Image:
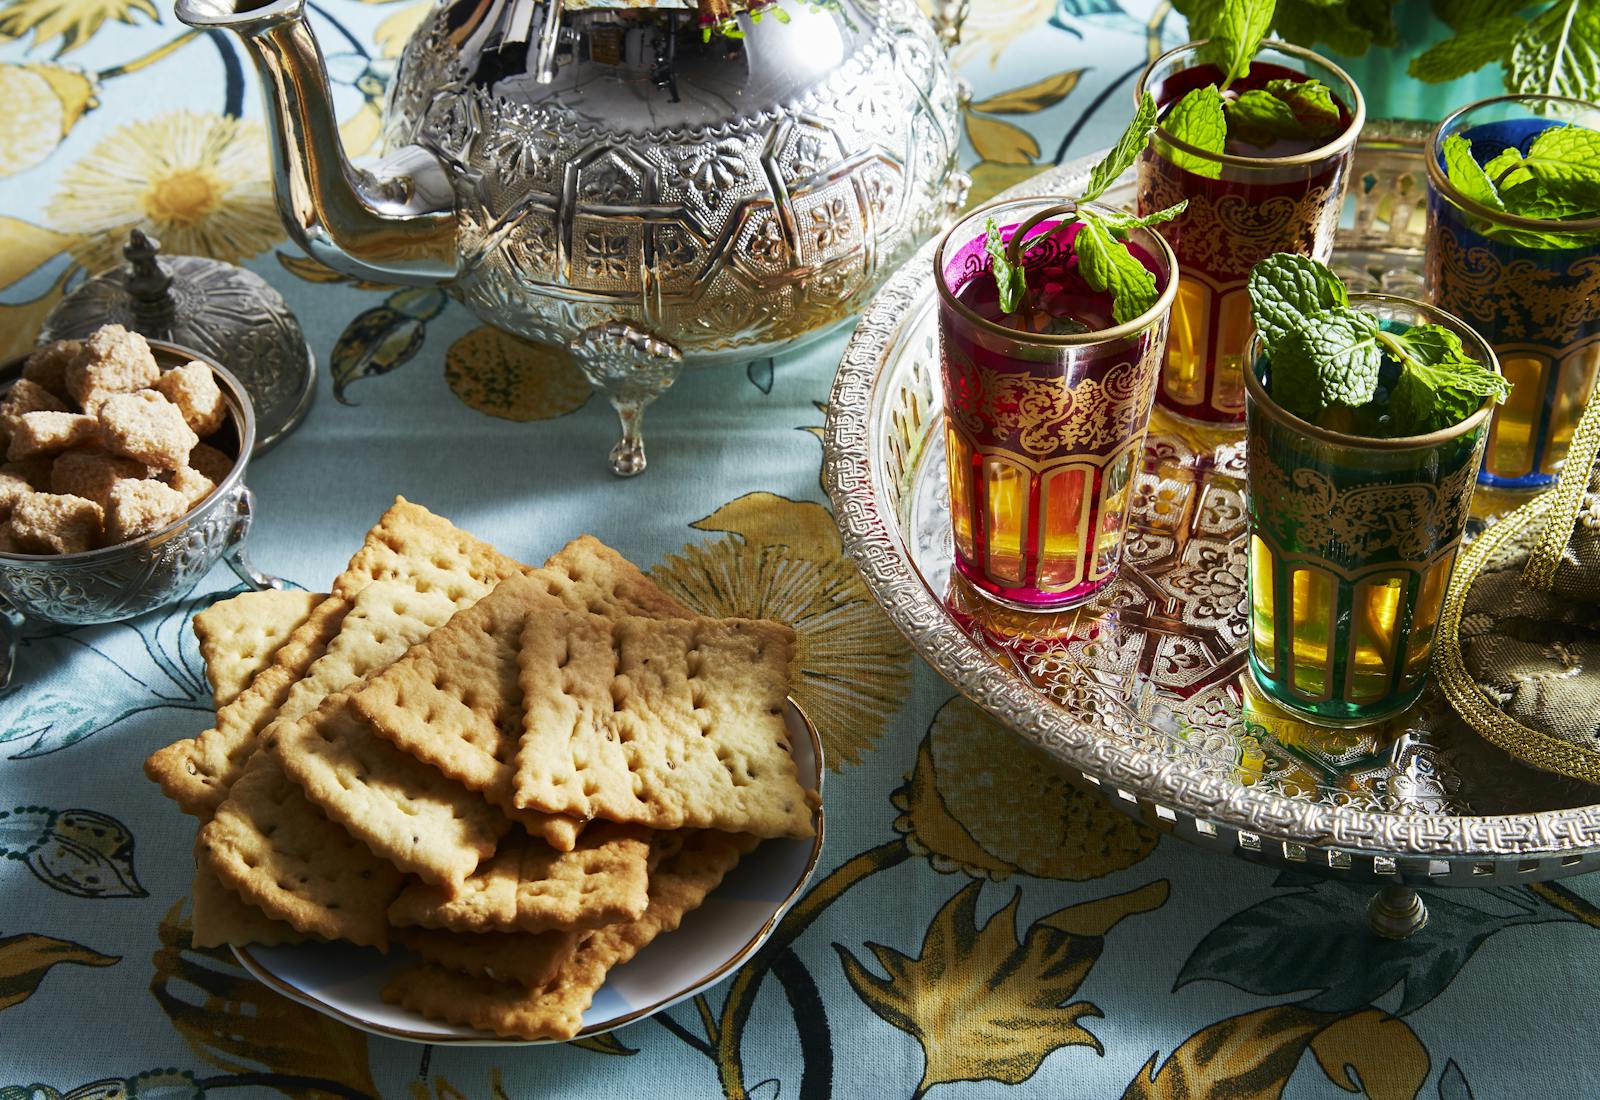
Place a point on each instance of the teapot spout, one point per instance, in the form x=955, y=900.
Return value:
x=393, y=224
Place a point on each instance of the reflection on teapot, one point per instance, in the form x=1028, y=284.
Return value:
x=645, y=185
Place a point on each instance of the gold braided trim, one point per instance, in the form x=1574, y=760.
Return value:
x=1476, y=708
x=1545, y=556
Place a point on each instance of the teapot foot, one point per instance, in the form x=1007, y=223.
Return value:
x=632, y=368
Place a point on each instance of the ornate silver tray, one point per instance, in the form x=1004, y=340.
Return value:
x=1143, y=692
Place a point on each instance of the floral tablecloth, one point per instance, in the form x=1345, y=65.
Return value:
x=976, y=928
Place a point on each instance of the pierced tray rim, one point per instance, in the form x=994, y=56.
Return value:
x=1443, y=849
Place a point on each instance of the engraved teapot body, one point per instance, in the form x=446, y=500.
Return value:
x=639, y=185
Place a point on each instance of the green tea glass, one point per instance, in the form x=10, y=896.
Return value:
x=1352, y=539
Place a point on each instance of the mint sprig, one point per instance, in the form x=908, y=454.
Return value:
x=1558, y=179
x=1100, y=245
x=1326, y=355
x=1543, y=48
x=1198, y=120
x=1235, y=29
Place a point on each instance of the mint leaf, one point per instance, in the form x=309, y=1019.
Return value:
x=1467, y=52
x=1331, y=359
x=1285, y=289
x=1439, y=384
x=1505, y=170
x=1347, y=26
x=1197, y=120
x=1009, y=278
x=1565, y=160
x=1460, y=15
x=1260, y=118
x=1467, y=174
x=1312, y=104
x=1124, y=152
x=1558, y=53
x=1235, y=28
x=1121, y=225
x=1106, y=265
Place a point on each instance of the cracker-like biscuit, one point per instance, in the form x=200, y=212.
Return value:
x=530, y=887
x=419, y=819
x=239, y=636
x=221, y=917
x=274, y=849
x=667, y=723
x=454, y=702
x=555, y=1010
x=526, y=959
x=195, y=772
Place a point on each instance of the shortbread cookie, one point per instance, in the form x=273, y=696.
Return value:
x=404, y=811
x=193, y=388
x=276, y=851
x=239, y=636
x=530, y=887
x=455, y=703
x=526, y=959
x=408, y=541
x=221, y=917
x=144, y=426
x=667, y=723
x=555, y=1010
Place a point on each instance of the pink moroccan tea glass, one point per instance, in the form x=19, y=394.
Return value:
x=1045, y=408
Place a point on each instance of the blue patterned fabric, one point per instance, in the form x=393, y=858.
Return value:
x=977, y=927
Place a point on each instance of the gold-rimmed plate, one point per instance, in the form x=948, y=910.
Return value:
x=346, y=982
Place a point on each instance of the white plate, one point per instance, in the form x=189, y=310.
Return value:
x=343, y=981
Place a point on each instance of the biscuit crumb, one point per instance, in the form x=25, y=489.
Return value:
x=148, y=427
x=193, y=388
x=211, y=462
x=41, y=433
x=114, y=360
x=47, y=366
x=90, y=473
x=47, y=523
x=135, y=508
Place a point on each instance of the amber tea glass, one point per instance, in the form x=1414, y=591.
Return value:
x=1352, y=540
x=1044, y=429
x=1255, y=206
x=1537, y=301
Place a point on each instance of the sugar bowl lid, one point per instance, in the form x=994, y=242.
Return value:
x=220, y=309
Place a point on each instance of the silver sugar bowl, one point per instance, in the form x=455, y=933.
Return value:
x=642, y=185
x=119, y=582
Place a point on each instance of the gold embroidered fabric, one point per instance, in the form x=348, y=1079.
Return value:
x=1520, y=655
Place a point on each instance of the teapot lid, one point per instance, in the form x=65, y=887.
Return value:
x=217, y=308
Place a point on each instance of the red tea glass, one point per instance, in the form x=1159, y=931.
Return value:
x=1283, y=198
x=1045, y=409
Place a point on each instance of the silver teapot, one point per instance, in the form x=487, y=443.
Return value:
x=632, y=182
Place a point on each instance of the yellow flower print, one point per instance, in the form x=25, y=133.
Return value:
x=783, y=561
x=43, y=102
x=72, y=21
x=513, y=379
x=196, y=181
x=394, y=32
x=960, y=807
x=989, y=29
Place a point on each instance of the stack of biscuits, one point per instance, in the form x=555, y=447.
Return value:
x=521, y=775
